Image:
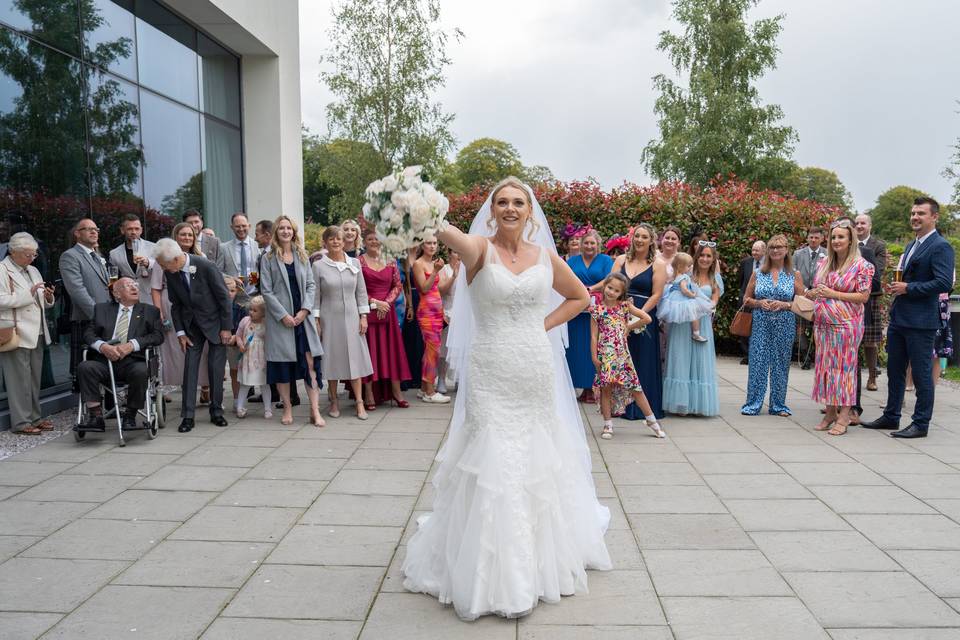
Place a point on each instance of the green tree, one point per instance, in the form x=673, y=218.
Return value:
x=346, y=167
x=952, y=171
x=316, y=192
x=819, y=185
x=485, y=161
x=891, y=214
x=538, y=174
x=716, y=125
x=388, y=59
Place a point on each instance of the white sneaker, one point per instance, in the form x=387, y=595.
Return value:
x=442, y=387
x=420, y=394
x=657, y=430
x=436, y=398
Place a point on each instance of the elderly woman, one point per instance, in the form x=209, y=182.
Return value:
x=841, y=286
x=352, y=240
x=288, y=288
x=343, y=307
x=770, y=293
x=591, y=267
x=23, y=301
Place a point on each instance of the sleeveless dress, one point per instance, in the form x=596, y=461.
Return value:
x=515, y=519
x=579, y=359
x=645, y=347
x=430, y=319
x=616, y=366
x=690, y=383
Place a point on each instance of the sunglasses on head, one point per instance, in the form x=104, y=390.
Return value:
x=707, y=243
x=842, y=223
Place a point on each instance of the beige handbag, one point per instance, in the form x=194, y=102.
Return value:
x=803, y=307
x=9, y=338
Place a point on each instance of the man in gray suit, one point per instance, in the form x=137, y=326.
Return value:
x=241, y=252
x=132, y=258
x=202, y=313
x=208, y=245
x=84, y=272
x=805, y=260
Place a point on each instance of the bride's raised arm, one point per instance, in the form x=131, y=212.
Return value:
x=570, y=287
x=469, y=247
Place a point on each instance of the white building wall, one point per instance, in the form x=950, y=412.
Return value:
x=266, y=34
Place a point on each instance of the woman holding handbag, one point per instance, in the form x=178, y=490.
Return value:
x=23, y=300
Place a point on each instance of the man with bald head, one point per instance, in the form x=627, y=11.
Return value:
x=872, y=331
x=747, y=267
x=120, y=331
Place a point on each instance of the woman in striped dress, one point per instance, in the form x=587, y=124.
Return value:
x=841, y=286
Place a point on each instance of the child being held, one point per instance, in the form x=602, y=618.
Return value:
x=683, y=301
x=616, y=381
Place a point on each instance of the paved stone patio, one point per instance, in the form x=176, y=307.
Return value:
x=734, y=527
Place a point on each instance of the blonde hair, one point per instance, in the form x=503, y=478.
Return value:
x=832, y=263
x=257, y=301
x=681, y=262
x=787, y=260
x=516, y=183
x=651, y=250
x=350, y=223
x=194, y=250
x=295, y=242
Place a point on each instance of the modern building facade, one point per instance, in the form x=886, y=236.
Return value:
x=110, y=107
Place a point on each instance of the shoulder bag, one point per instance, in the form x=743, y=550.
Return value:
x=803, y=307
x=742, y=324
x=9, y=338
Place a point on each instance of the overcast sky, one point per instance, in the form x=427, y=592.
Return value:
x=871, y=86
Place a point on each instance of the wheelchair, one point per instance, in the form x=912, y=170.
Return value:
x=153, y=412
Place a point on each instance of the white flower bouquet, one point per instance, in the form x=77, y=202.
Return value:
x=405, y=210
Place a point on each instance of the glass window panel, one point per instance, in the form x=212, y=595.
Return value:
x=219, y=81
x=52, y=21
x=222, y=176
x=166, y=53
x=109, y=38
x=43, y=163
x=172, y=176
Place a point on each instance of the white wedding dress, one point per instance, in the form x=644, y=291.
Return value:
x=516, y=519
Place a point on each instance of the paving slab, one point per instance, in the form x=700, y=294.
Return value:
x=822, y=551
x=194, y=563
x=209, y=455
x=916, y=463
x=145, y=504
x=926, y=486
x=908, y=531
x=52, y=585
x=938, y=570
x=325, y=544
x=12, y=545
x=670, y=499
x=258, y=629
x=26, y=626
x=785, y=515
x=282, y=468
x=325, y=448
x=528, y=631
x=29, y=518
x=689, y=531
x=409, y=616
x=271, y=493
x=238, y=524
x=867, y=499
x=832, y=473
x=645, y=473
x=178, y=477
x=387, y=483
x=780, y=618
x=14, y=473
x=392, y=460
x=723, y=572
x=615, y=598
x=72, y=488
x=894, y=634
x=751, y=486
x=102, y=540
x=123, y=464
x=346, y=509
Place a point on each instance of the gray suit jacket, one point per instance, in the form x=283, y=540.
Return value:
x=205, y=306
x=210, y=247
x=232, y=266
x=118, y=258
x=806, y=262
x=275, y=288
x=86, y=284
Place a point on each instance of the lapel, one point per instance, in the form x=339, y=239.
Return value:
x=922, y=249
x=283, y=274
x=136, y=317
x=19, y=278
x=100, y=272
x=111, y=324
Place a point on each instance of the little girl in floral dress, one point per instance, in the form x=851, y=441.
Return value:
x=683, y=301
x=616, y=381
x=252, y=369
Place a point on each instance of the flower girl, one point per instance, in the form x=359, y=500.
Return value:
x=252, y=370
x=616, y=380
x=683, y=302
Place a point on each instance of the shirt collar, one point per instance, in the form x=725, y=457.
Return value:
x=864, y=241
x=920, y=240
x=341, y=266
x=186, y=263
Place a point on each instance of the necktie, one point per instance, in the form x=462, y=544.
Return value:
x=185, y=279
x=98, y=264
x=756, y=265
x=243, y=260
x=909, y=255
x=123, y=325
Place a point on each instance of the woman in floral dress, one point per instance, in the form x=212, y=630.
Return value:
x=841, y=286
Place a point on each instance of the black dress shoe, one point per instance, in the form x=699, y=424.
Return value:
x=295, y=402
x=880, y=423
x=218, y=420
x=130, y=420
x=912, y=431
x=186, y=425
x=94, y=421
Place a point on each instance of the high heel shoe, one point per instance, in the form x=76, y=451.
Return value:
x=400, y=402
x=824, y=425
x=361, y=414
x=334, y=411
x=839, y=428
x=370, y=406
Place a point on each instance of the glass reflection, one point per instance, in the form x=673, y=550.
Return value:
x=171, y=145
x=53, y=21
x=108, y=33
x=220, y=81
x=167, y=58
x=222, y=179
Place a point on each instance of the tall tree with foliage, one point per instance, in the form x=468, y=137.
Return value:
x=387, y=59
x=335, y=175
x=952, y=171
x=487, y=160
x=819, y=185
x=891, y=214
x=716, y=125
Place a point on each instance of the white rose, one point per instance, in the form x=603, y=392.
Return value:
x=389, y=184
x=366, y=210
x=420, y=214
x=411, y=172
x=399, y=199
x=374, y=188
x=394, y=245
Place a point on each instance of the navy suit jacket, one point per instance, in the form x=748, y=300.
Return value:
x=928, y=274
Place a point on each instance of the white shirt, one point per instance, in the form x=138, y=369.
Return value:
x=136, y=345
x=185, y=269
x=916, y=245
x=864, y=241
x=251, y=255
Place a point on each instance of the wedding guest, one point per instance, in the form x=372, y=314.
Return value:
x=352, y=242
x=384, y=341
x=289, y=288
x=806, y=260
x=690, y=383
x=841, y=287
x=207, y=244
x=591, y=267
x=185, y=235
x=943, y=343
x=573, y=247
x=252, y=367
x=448, y=289
x=646, y=275
x=769, y=294
x=426, y=274
x=875, y=285
x=343, y=305
x=240, y=253
x=234, y=288
x=669, y=246
x=928, y=265
x=412, y=338
x=85, y=281
x=749, y=266
x=132, y=257
x=695, y=235
x=616, y=380
x=24, y=299
x=873, y=332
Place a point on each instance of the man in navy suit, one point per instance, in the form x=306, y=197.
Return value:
x=914, y=319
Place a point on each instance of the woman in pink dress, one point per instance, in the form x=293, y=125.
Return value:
x=430, y=284
x=383, y=329
x=841, y=286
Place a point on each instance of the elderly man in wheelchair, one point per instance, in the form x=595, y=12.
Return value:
x=120, y=332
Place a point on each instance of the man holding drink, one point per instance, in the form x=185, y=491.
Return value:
x=132, y=258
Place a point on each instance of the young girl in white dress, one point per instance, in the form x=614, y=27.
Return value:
x=683, y=301
x=252, y=370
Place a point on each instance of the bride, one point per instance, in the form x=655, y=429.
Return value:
x=516, y=518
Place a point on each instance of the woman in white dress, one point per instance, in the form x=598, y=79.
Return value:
x=516, y=518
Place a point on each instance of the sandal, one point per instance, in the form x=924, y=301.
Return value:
x=607, y=432
x=286, y=420
x=824, y=425
x=29, y=431
x=44, y=425
x=839, y=429
x=370, y=406
x=783, y=414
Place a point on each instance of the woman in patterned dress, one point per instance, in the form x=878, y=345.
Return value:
x=841, y=286
x=430, y=285
x=770, y=293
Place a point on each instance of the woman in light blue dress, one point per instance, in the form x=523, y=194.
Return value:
x=690, y=384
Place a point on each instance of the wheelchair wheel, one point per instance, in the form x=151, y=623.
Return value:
x=160, y=410
x=79, y=435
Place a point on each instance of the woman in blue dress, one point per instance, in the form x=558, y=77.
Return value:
x=690, y=386
x=647, y=277
x=591, y=267
x=770, y=293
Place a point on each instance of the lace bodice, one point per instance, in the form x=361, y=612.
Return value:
x=509, y=308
